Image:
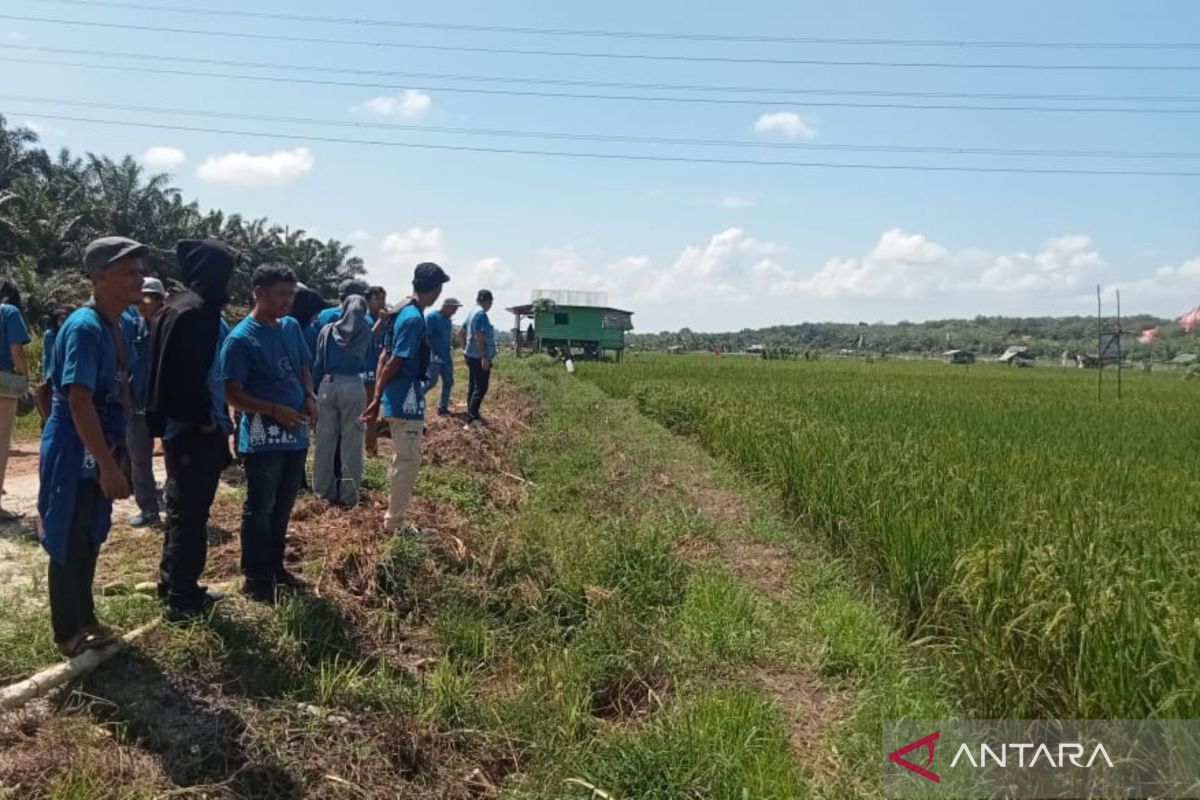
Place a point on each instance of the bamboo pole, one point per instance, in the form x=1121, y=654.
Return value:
x=20, y=693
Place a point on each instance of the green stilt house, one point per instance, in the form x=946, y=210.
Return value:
x=578, y=324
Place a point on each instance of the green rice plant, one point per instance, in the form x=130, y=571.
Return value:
x=1042, y=542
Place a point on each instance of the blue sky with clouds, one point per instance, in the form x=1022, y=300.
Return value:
x=712, y=246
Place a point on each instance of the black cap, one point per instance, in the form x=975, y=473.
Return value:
x=428, y=276
x=353, y=286
x=483, y=296
x=109, y=250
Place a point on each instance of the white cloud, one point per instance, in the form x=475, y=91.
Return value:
x=162, y=157
x=910, y=265
x=413, y=246
x=242, y=169
x=785, y=123
x=486, y=273
x=736, y=201
x=719, y=269
x=359, y=235
x=409, y=104
x=1178, y=283
x=1064, y=263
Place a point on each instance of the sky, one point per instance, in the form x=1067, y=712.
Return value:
x=711, y=246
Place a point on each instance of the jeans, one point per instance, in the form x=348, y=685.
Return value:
x=272, y=482
x=477, y=387
x=445, y=371
x=141, y=459
x=195, y=461
x=406, y=459
x=340, y=435
x=72, y=607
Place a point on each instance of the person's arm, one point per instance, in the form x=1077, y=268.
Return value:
x=237, y=396
x=388, y=367
x=481, y=345
x=87, y=425
x=20, y=364
x=310, y=400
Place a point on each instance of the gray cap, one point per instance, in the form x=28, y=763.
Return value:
x=452, y=301
x=153, y=286
x=353, y=286
x=108, y=250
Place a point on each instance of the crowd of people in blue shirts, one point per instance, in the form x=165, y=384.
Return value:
x=134, y=365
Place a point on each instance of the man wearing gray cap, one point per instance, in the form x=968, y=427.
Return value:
x=346, y=288
x=84, y=466
x=141, y=444
x=441, y=365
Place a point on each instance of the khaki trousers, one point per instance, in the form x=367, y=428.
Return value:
x=406, y=459
x=8, y=414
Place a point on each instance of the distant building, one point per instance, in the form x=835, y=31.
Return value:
x=1017, y=356
x=568, y=329
x=1183, y=360
x=959, y=356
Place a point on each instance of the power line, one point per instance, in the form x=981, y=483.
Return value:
x=626, y=156
x=521, y=80
x=614, y=56
x=610, y=138
x=619, y=34
x=610, y=97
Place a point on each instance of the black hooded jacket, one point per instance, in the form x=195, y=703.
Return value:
x=183, y=340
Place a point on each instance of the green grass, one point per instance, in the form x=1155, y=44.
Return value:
x=1041, y=542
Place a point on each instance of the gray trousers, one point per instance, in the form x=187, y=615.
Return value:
x=141, y=459
x=342, y=400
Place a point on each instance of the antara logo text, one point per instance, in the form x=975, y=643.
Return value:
x=1022, y=755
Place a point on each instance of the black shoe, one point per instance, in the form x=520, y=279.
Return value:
x=287, y=580
x=261, y=590
x=193, y=611
x=443, y=412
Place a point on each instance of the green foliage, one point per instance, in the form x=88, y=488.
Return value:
x=50, y=208
x=722, y=743
x=1046, y=337
x=1042, y=542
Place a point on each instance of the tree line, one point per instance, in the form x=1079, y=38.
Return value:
x=51, y=206
x=1046, y=337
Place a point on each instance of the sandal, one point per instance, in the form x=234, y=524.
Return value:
x=83, y=641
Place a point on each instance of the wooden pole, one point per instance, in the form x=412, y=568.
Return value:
x=20, y=693
x=1099, y=346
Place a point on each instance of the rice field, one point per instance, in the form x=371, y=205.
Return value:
x=1042, y=544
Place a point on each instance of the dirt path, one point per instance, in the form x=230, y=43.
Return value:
x=21, y=559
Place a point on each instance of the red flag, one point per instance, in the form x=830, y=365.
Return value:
x=1148, y=336
x=1190, y=320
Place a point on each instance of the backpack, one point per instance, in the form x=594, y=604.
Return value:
x=389, y=334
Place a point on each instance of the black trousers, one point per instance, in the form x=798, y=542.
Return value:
x=272, y=482
x=477, y=386
x=72, y=607
x=195, y=462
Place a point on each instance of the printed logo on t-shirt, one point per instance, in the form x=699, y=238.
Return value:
x=413, y=403
x=285, y=366
x=262, y=433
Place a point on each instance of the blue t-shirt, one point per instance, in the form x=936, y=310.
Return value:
x=404, y=396
x=373, y=353
x=12, y=331
x=267, y=360
x=478, y=322
x=138, y=331
x=85, y=353
x=328, y=315
x=439, y=327
x=47, y=354
x=216, y=388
